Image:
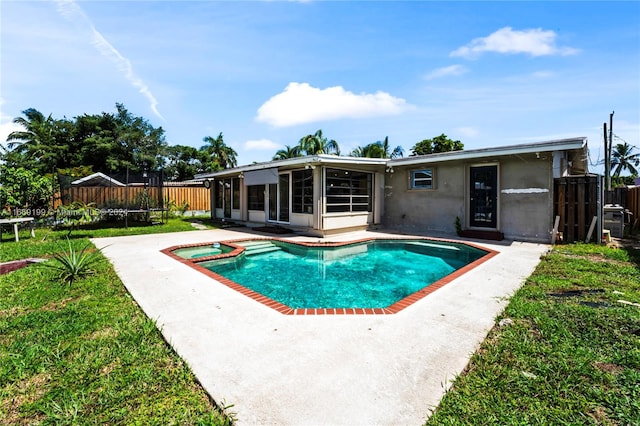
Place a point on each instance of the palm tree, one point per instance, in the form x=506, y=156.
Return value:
x=223, y=156
x=318, y=144
x=398, y=151
x=372, y=150
x=377, y=150
x=624, y=159
x=287, y=152
x=38, y=139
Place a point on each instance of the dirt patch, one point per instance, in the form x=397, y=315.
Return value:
x=23, y=392
x=594, y=258
x=599, y=414
x=58, y=304
x=632, y=241
x=104, y=333
x=608, y=367
x=12, y=312
x=104, y=371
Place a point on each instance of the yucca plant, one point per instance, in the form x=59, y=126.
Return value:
x=72, y=265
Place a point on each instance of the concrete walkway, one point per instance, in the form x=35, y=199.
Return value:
x=317, y=370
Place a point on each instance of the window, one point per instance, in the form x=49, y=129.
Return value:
x=219, y=185
x=422, y=179
x=256, y=197
x=348, y=191
x=303, y=191
x=235, y=199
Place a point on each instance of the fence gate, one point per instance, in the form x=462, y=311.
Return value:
x=577, y=200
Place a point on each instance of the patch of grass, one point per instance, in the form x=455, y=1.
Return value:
x=71, y=265
x=35, y=247
x=87, y=354
x=569, y=354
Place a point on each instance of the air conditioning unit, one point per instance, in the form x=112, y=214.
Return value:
x=614, y=219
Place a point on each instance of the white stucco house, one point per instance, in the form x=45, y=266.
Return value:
x=507, y=191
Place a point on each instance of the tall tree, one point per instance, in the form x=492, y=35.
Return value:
x=318, y=144
x=140, y=144
x=184, y=162
x=398, y=151
x=625, y=159
x=438, y=144
x=37, y=142
x=379, y=149
x=221, y=156
x=107, y=142
x=287, y=152
x=372, y=150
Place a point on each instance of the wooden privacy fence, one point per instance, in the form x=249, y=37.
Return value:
x=197, y=197
x=633, y=204
x=576, y=204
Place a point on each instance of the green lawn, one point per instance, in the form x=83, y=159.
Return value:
x=567, y=351
x=34, y=247
x=86, y=353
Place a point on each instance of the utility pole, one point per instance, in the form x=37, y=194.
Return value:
x=610, y=148
x=606, y=159
x=607, y=152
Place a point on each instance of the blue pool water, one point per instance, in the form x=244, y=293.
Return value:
x=373, y=274
x=202, y=251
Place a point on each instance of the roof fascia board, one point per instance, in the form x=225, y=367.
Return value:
x=554, y=145
x=560, y=145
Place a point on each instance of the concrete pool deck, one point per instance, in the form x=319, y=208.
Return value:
x=312, y=370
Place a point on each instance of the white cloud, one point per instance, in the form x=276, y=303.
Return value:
x=73, y=13
x=7, y=126
x=261, y=144
x=301, y=103
x=453, y=70
x=535, y=42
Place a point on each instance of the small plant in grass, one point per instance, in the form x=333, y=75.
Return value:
x=176, y=209
x=72, y=265
x=76, y=214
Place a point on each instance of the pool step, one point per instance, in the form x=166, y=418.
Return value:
x=433, y=245
x=257, y=247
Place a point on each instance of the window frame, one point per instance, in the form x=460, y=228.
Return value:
x=344, y=192
x=431, y=179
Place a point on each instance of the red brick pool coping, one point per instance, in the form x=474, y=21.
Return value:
x=14, y=265
x=287, y=310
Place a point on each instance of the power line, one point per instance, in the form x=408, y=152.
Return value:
x=619, y=138
x=598, y=162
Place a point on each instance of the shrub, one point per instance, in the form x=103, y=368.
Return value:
x=72, y=265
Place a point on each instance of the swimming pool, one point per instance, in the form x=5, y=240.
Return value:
x=369, y=276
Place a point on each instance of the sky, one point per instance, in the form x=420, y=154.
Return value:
x=267, y=73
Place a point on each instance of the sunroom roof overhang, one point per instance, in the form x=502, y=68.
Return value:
x=291, y=163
